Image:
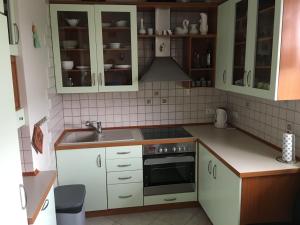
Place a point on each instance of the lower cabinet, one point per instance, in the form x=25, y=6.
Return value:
x=219, y=190
x=47, y=215
x=88, y=167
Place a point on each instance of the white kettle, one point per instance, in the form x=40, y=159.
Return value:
x=221, y=118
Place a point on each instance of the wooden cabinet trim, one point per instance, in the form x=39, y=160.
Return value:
x=15, y=82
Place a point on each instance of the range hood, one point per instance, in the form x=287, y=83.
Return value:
x=164, y=67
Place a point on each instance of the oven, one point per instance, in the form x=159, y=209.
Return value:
x=169, y=168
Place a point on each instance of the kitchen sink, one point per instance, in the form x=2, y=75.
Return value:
x=89, y=136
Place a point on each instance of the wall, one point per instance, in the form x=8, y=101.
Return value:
x=266, y=119
x=144, y=107
x=35, y=66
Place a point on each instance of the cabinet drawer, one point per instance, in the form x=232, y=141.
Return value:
x=125, y=195
x=125, y=177
x=124, y=165
x=124, y=152
x=170, y=198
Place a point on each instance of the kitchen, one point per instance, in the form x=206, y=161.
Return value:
x=119, y=99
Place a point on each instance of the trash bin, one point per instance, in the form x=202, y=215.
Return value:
x=69, y=200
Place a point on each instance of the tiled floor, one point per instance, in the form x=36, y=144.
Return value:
x=189, y=216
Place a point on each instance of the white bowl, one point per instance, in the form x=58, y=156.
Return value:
x=67, y=65
x=69, y=44
x=114, y=45
x=106, y=24
x=122, y=66
x=121, y=23
x=72, y=22
x=108, y=66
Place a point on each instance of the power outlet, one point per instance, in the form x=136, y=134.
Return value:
x=210, y=111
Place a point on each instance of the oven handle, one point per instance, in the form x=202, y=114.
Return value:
x=168, y=160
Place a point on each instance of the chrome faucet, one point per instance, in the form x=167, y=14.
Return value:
x=98, y=126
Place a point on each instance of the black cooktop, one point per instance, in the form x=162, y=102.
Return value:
x=164, y=132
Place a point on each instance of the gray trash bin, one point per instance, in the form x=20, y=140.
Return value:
x=69, y=200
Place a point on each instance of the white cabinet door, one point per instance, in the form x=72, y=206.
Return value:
x=11, y=207
x=1, y=6
x=117, y=24
x=47, y=214
x=74, y=43
x=224, y=44
x=206, y=194
x=88, y=167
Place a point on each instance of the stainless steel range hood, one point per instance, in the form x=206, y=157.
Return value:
x=164, y=67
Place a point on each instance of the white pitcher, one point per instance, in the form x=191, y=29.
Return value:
x=203, y=24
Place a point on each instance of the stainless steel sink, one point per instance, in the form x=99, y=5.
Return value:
x=88, y=136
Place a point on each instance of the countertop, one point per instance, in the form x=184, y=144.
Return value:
x=37, y=188
x=245, y=155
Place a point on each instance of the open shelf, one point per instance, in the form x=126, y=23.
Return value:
x=263, y=67
x=74, y=49
x=264, y=39
x=73, y=28
x=178, y=36
x=116, y=49
x=118, y=70
x=76, y=70
x=116, y=28
x=202, y=69
x=271, y=8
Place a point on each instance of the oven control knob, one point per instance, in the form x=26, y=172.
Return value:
x=174, y=149
x=165, y=150
x=160, y=150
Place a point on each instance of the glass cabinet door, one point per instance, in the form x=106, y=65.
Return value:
x=74, y=44
x=264, y=44
x=241, y=21
x=117, y=47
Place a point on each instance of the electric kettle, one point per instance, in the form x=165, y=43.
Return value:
x=221, y=118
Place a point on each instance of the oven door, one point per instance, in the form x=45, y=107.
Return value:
x=169, y=174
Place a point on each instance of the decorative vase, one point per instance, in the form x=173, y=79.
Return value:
x=142, y=28
x=203, y=24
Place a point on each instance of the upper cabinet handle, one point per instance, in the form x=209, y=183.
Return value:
x=249, y=78
x=100, y=79
x=93, y=79
x=215, y=172
x=224, y=77
x=209, y=166
x=17, y=32
x=98, y=161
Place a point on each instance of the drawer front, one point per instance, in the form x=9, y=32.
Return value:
x=124, y=152
x=125, y=177
x=114, y=165
x=170, y=198
x=125, y=195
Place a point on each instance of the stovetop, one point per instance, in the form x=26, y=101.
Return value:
x=164, y=132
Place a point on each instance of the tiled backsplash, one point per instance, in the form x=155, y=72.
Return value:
x=25, y=149
x=155, y=103
x=266, y=119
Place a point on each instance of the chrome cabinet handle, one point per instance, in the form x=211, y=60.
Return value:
x=100, y=79
x=125, y=178
x=124, y=165
x=170, y=199
x=215, y=172
x=123, y=153
x=17, y=32
x=245, y=78
x=209, y=166
x=125, y=196
x=46, y=204
x=93, y=79
x=23, y=199
x=98, y=161
x=249, y=76
x=224, y=77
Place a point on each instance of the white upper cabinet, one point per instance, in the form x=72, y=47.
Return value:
x=95, y=48
x=251, y=39
x=13, y=28
x=1, y=6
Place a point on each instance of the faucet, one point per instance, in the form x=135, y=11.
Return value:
x=98, y=128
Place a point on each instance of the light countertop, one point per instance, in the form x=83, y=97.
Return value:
x=37, y=188
x=244, y=154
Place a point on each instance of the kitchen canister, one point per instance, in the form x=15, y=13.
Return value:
x=288, y=148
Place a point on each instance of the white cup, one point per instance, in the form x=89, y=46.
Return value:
x=150, y=31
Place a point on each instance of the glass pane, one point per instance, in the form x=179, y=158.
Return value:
x=75, y=49
x=241, y=11
x=116, y=48
x=264, y=44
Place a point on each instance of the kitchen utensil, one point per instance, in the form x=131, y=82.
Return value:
x=73, y=22
x=221, y=118
x=122, y=66
x=184, y=29
x=121, y=23
x=67, y=65
x=115, y=45
x=142, y=28
x=104, y=24
x=150, y=31
x=69, y=44
x=108, y=66
x=82, y=67
x=203, y=24
x=193, y=29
